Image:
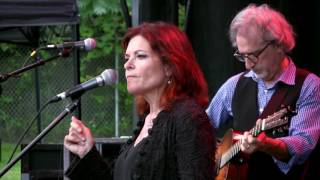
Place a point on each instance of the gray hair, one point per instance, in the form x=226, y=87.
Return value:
x=271, y=23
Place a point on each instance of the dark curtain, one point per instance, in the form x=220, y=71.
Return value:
x=155, y=10
x=305, y=19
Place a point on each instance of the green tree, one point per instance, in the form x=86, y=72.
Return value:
x=104, y=21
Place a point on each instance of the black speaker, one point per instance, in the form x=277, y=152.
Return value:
x=43, y=162
x=108, y=148
x=48, y=161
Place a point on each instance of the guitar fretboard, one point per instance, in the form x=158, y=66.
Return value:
x=270, y=122
x=235, y=148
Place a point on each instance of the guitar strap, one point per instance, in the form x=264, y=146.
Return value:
x=285, y=95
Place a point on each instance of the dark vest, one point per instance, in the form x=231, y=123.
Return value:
x=245, y=114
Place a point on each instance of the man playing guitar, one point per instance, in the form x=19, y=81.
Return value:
x=263, y=38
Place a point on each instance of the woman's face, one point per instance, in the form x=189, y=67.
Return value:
x=145, y=73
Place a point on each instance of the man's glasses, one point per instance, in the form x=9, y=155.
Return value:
x=253, y=56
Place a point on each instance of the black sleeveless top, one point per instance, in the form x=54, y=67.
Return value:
x=125, y=163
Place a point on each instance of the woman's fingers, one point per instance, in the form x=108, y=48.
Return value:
x=79, y=140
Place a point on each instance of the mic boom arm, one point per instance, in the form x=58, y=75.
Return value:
x=4, y=77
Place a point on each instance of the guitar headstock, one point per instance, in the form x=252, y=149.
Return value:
x=278, y=118
x=289, y=111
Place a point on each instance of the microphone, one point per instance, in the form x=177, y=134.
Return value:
x=107, y=77
x=87, y=44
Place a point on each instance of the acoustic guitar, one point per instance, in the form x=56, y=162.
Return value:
x=226, y=150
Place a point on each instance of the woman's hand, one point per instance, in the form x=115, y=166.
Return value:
x=79, y=140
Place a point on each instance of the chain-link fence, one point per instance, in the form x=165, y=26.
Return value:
x=100, y=108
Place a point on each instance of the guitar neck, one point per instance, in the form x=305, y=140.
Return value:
x=235, y=148
x=228, y=155
x=270, y=122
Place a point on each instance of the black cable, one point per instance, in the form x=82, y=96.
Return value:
x=126, y=14
x=27, y=130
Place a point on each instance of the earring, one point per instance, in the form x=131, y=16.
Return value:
x=169, y=81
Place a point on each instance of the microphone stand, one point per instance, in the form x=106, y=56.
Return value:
x=63, y=53
x=69, y=109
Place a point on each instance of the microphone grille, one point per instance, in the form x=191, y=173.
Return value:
x=110, y=76
x=89, y=44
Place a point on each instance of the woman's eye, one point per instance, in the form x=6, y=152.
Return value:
x=141, y=56
x=138, y=56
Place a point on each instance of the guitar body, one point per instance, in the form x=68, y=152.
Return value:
x=233, y=170
x=228, y=167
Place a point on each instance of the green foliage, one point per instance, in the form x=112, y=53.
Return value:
x=98, y=7
x=126, y=100
x=182, y=15
x=104, y=21
x=100, y=19
x=14, y=173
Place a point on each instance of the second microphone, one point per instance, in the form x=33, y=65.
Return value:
x=107, y=77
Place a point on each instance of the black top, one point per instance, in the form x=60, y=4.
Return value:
x=123, y=167
x=180, y=145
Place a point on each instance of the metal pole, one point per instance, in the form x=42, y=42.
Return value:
x=116, y=94
x=38, y=100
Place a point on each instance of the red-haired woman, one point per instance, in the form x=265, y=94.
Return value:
x=174, y=139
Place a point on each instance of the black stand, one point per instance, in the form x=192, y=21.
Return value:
x=0, y=150
x=55, y=122
x=4, y=77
